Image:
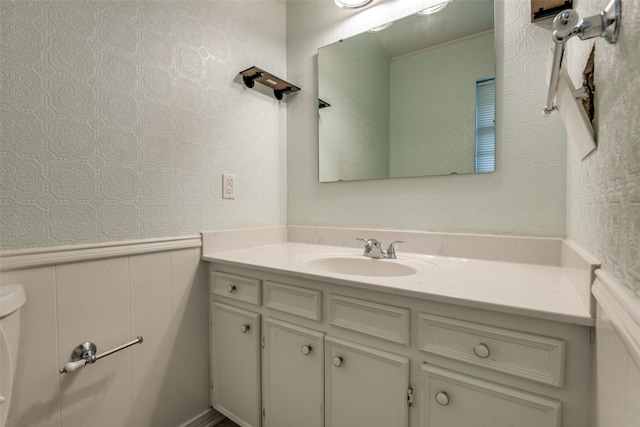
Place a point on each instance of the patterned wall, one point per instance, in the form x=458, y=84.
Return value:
x=118, y=119
x=526, y=195
x=603, y=210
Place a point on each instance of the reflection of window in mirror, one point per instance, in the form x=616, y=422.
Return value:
x=485, y=125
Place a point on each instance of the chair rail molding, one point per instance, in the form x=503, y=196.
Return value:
x=40, y=257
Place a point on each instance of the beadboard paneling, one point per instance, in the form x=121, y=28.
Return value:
x=161, y=296
x=617, y=375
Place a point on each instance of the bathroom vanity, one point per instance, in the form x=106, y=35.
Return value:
x=299, y=337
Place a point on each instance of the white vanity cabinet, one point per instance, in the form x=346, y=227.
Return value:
x=334, y=355
x=293, y=376
x=451, y=399
x=235, y=363
x=365, y=386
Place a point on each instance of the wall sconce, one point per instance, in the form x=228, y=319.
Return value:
x=380, y=27
x=352, y=4
x=434, y=9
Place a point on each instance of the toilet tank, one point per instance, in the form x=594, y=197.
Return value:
x=12, y=298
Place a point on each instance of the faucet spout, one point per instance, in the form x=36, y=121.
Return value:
x=391, y=251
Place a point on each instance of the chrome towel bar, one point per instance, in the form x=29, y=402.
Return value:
x=568, y=24
x=84, y=354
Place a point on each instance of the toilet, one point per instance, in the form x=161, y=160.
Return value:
x=12, y=298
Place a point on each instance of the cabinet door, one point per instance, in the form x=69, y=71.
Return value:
x=365, y=386
x=235, y=364
x=448, y=398
x=293, y=376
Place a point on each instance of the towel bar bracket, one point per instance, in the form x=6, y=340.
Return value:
x=567, y=24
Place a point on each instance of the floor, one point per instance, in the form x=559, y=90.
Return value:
x=227, y=423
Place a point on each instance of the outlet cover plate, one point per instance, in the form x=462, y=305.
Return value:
x=228, y=186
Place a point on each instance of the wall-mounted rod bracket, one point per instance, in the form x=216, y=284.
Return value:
x=84, y=354
x=279, y=86
x=567, y=24
x=323, y=104
x=249, y=81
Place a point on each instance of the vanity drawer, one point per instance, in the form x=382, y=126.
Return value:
x=236, y=287
x=371, y=318
x=533, y=357
x=294, y=300
x=449, y=398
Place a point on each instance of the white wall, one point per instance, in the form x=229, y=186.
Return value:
x=603, y=190
x=603, y=205
x=118, y=119
x=617, y=354
x=526, y=196
x=617, y=378
x=161, y=296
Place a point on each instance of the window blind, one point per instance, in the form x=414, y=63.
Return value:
x=485, y=125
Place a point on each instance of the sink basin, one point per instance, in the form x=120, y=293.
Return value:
x=357, y=265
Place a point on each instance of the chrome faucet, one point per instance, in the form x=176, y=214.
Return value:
x=373, y=249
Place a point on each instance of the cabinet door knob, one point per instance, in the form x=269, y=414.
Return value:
x=442, y=398
x=481, y=350
x=337, y=361
x=231, y=288
x=306, y=349
x=244, y=328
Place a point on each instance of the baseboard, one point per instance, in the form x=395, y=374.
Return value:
x=208, y=418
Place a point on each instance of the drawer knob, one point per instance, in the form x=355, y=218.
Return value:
x=337, y=361
x=244, y=328
x=481, y=350
x=231, y=288
x=306, y=349
x=442, y=398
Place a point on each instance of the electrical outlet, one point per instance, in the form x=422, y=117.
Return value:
x=228, y=187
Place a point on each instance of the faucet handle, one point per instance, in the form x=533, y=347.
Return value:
x=372, y=247
x=391, y=251
x=368, y=241
x=367, y=244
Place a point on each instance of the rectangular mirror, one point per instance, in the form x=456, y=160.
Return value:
x=416, y=98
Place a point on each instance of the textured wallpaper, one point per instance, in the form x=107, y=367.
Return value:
x=118, y=119
x=603, y=208
x=526, y=195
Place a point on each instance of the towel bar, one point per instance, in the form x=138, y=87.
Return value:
x=84, y=354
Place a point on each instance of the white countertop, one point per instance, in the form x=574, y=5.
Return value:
x=541, y=291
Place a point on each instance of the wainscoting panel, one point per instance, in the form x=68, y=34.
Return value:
x=617, y=354
x=150, y=277
x=160, y=295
